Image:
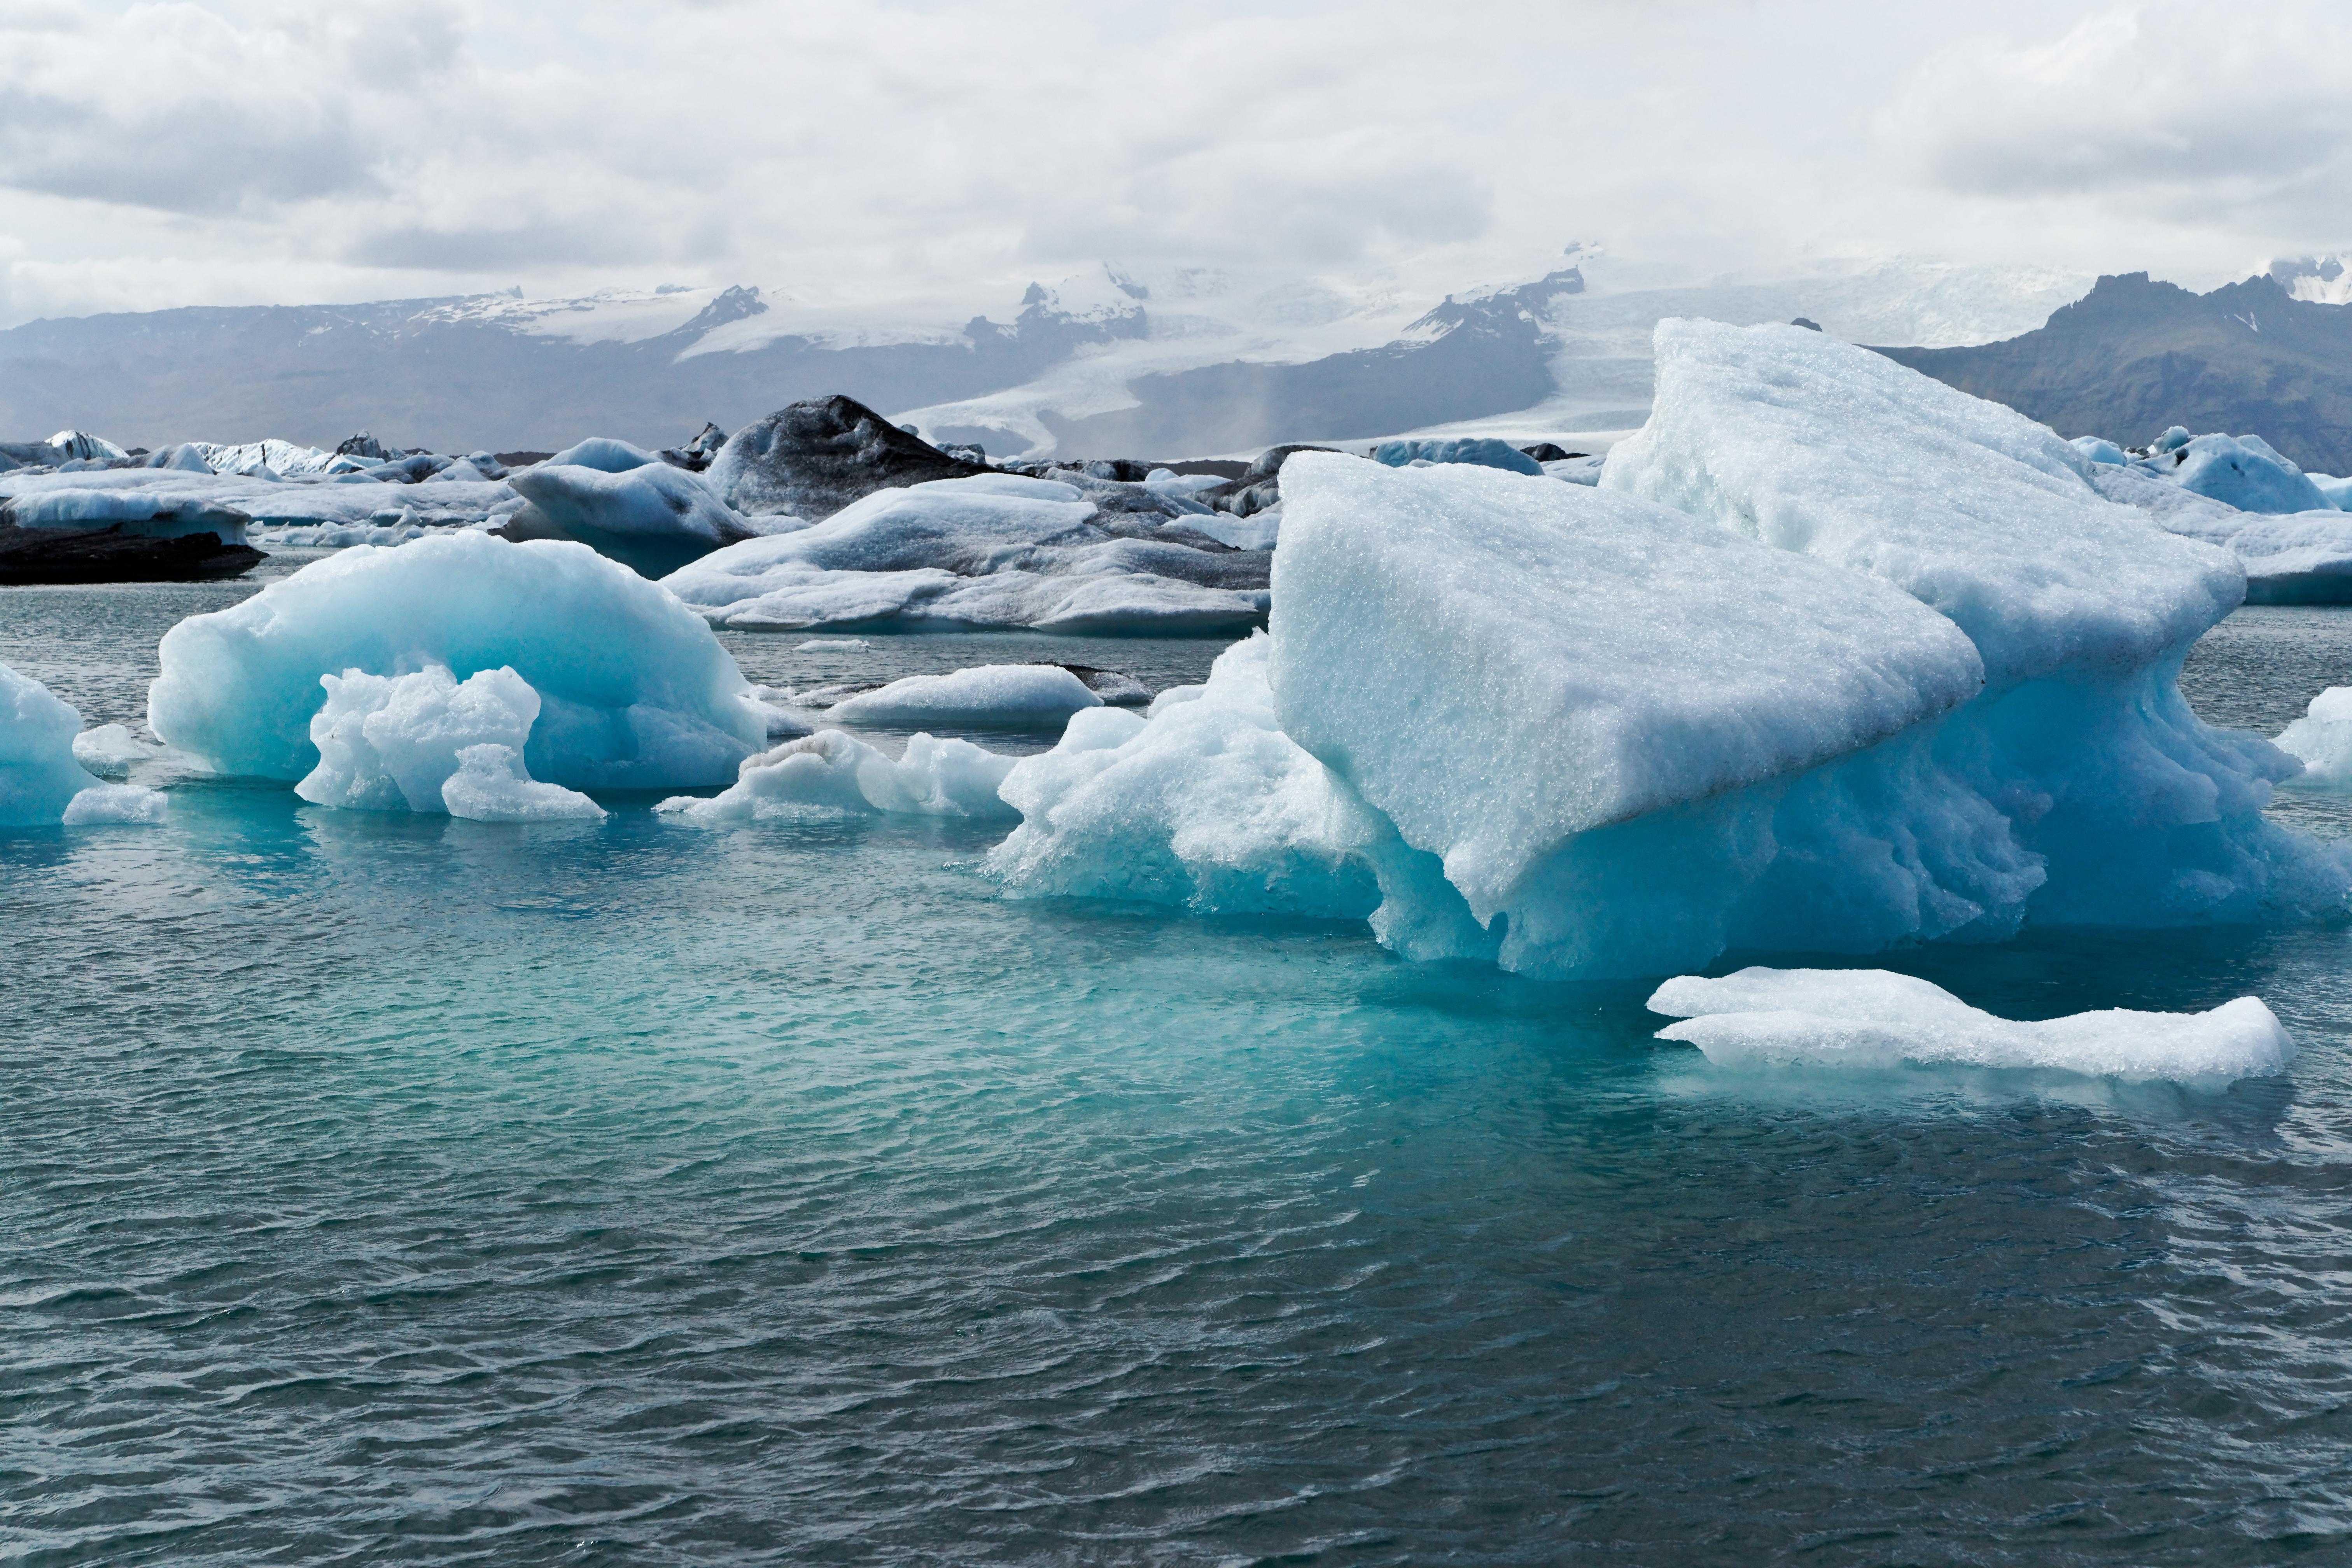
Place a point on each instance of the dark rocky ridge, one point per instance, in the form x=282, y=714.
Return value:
x=2133, y=357
x=61, y=555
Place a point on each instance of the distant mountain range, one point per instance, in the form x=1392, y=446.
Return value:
x=1108, y=362
x=2132, y=357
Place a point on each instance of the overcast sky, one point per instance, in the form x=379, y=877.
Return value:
x=935, y=156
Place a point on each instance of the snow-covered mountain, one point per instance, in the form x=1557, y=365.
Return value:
x=1109, y=361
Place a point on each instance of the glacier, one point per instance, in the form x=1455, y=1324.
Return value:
x=43, y=782
x=1872, y=1018
x=1832, y=658
x=635, y=690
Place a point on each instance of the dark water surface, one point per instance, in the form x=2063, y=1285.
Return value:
x=395, y=1189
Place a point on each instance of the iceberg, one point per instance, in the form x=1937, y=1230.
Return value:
x=2098, y=449
x=1833, y=657
x=138, y=512
x=986, y=552
x=634, y=691
x=42, y=783
x=2300, y=558
x=650, y=517
x=833, y=774
x=2243, y=471
x=427, y=742
x=2322, y=740
x=1483, y=451
x=110, y=750
x=1011, y=696
x=603, y=454
x=1872, y=1018
x=1206, y=804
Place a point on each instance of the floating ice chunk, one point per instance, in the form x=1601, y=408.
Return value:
x=1207, y=804
x=389, y=742
x=41, y=783
x=1871, y=1018
x=831, y=773
x=127, y=804
x=823, y=645
x=184, y=457
x=635, y=692
x=80, y=446
x=1576, y=470
x=2337, y=491
x=110, y=750
x=460, y=472
x=2243, y=471
x=652, y=518
x=1013, y=696
x=490, y=785
x=1260, y=529
x=1481, y=451
x=272, y=458
x=603, y=454
x=1818, y=447
x=2323, y=739
x=2303, y=558
x=134, y=511
x=2099, y=449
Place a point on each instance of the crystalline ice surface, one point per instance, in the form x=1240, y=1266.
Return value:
x=2243, y=471
x=1872, y=1018
x=830, y=773
x=41, y=784
x=1022, y=696
x=635, y=690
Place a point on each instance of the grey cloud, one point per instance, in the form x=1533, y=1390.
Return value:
x=418, y=249
x=188, y=158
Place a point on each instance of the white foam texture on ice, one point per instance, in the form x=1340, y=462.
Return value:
x=41, y=783
x=1872, y=1018
x=830, y=773
x=635, y=690
x=1008, y=696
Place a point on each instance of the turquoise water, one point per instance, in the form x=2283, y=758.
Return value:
x=381, y=1188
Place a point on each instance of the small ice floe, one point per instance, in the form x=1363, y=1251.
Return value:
x=827, y=645
x=833, y=774
x=1873, y=1018
x=43, y=781
x=1013, y=696
x=2323, y=739
x=110, y=750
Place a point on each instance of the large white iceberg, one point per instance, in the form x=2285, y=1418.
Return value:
x=833, y=774
x=134, y=511
x=1872, y=1018
x=635, y=690
x=395, y=742
x=41, y=783
x=205, y=502
x=991, y=551
x=1835, y=657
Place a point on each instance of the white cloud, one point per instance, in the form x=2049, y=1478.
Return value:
x=223, y=151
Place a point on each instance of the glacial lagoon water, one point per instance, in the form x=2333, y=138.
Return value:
x=396, y=1189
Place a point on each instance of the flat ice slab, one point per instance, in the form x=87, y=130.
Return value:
x=1873, y=1018
x=1013, y=696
